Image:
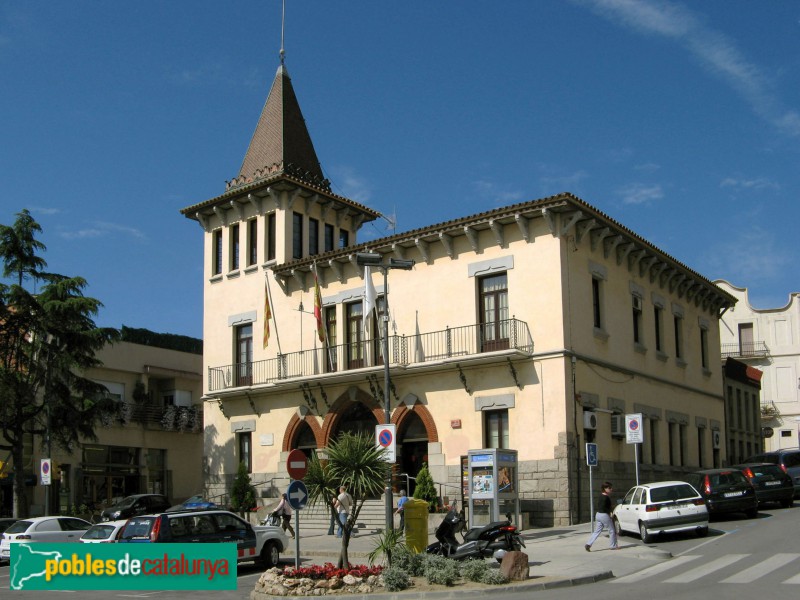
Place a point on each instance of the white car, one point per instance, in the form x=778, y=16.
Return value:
x=103, y=533
x=42, y=529
x=653, y=508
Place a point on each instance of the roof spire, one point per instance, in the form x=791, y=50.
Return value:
x=283, y=27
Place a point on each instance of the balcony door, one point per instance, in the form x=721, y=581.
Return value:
x=355, y=335
x=244, y=355
x=494, y=313
x=746, y=339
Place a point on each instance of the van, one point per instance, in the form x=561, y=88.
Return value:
x=788, y=460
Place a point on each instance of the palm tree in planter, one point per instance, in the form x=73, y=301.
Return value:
x=354, y=461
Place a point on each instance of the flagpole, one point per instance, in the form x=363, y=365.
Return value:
x=272, y=310
x=322, y=323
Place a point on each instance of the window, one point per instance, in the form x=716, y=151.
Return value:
x=657, y=330
x=313, y=236
x=252, y=242
x=677, y=322
x=297, y=235
x=672, y=429
x=682, y=443
x=328, y=237
x=494, y=312
x=377, y=330
x=330, y=341
x=746, y=346
x=216, y=252
x=739, y=423
x=701, y=446
x=355, y=347
x=653, y=437
x=598, y=323
x=495, y=427
x=344, y=238
x=271, y=237
x=244, y=354
x=245, y=443
x=234, y=241
x=704, y=347
x=636, y=303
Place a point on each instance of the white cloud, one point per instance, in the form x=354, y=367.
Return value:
x=640, y=193
x=647, y=167
x=751, y=256
x=495, y=192
x=718, y=53
x=350, y=184
x=42, y=210
x=557, y=182
x=760, y=183
x=102, y=229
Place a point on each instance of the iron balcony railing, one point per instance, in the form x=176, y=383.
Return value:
x=745, y=350
x=452, y=342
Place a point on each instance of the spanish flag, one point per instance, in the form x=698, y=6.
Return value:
x=267, y=315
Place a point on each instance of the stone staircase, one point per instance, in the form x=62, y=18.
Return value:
x=372, y=518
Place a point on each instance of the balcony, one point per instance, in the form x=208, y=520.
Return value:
x=745, y=350
x=455, y=342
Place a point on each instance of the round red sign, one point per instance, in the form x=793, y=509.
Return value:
x=297, y=464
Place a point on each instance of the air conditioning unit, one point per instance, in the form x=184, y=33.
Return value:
x=637, y=302
x=589, y=420
x=716, y=440
x=618, y=426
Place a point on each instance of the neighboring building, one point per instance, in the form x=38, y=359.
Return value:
x=534, y=327
x=742, y=385
x=154, y=443
x=768, y=339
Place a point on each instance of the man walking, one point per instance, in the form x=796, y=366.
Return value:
x=344, y=503
x=603, y=519
x=401, y=502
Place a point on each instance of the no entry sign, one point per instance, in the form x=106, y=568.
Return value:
x=297, y=464
x=385, y=438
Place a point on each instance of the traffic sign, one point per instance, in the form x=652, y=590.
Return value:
x=297, y=494
x=591, y=455
x=45, y=472
x=297, y=464
x=634, y=430
x=385, y=438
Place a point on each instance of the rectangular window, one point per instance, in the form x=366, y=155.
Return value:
x=746, y=346
x=739, y=423
x=672, y=430
x=313, y=237
x=344, y=238
x=245, y=443
x=297, y=235
x=216, y=252
x=330, y=340
x=328, y=237
x=682, y=444
x=636, y=302
x=657, y=319
x=678, y=327
x=377, y=330
x=234, y=241
x=244, y=354
x=653, y=427
x=598, y=323
x=252, y=242
x=271, y=237
x=495, y=427
x=354, y=342
x=494, y=312
x=701, y=446
x=704, y=348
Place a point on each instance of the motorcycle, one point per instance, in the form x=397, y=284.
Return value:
x=494, y=539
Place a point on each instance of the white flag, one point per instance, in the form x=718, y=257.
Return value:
x=370, y=300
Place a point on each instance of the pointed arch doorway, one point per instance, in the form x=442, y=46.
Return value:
x=357, y=418
x=413, y=449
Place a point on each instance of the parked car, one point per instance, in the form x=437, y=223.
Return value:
x=6, y=522
x=725, y=491
x=788, y=460
x=42, y=529
x=262, y=544
x=194, y=503
x=771, y=482
x=104, y=533
x=138, y=504
x=650, y=509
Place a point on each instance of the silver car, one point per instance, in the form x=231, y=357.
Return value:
x=653, y=508
x=42, y=529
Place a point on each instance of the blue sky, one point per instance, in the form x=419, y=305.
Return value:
x=680, y=120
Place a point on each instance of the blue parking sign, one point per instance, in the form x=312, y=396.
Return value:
x=591, y=455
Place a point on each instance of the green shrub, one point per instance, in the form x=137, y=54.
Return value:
x=441, y=570
x=395, y=579
x=426, y=488
x=408, y=561
x=493, y=577
x=474, y=570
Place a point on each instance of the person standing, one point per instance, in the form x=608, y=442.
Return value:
x=401, y=502
x=284, y=511
x=603, y=518
x=344, y=503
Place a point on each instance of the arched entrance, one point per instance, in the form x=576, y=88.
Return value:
x=357, y=418
x=413, y=449
x=306, y=440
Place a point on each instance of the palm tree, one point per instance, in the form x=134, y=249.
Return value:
x=356, y=462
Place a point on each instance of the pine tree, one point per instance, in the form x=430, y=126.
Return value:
x=243, y=495
x=426, y=489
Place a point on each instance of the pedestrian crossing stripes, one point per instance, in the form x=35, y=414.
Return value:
x=746, y=572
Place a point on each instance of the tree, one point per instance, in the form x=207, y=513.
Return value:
x=356, y=462
x=426, y=489
x=47, y=339
x=243, y=495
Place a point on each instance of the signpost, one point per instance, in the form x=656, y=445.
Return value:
x=634, y=434
x=385, y=438
x=591, y=461
x=297, y=493
x=45, y=471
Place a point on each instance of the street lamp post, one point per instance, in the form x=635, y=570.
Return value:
x=373, y=259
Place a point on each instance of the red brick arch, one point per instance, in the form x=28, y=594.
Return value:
x=403, y=412
x=293, y=429
x=340, y=407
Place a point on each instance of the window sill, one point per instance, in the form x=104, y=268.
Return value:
x=232, y=274
x=661, y=356
x=680, y=363
x=251, y=269
x=269, y=263
x=601, y=334
x=640, y=348
x=215, y=278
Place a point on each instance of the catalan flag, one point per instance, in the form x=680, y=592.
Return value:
x=267, y=315
x=318, y=308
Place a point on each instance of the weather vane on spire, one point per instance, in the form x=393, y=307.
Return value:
x=283, y=25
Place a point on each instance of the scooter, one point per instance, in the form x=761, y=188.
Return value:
x=494, y=539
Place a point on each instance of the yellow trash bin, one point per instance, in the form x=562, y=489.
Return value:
x=416, y=523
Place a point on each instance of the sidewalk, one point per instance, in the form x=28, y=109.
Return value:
x=556, y=555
